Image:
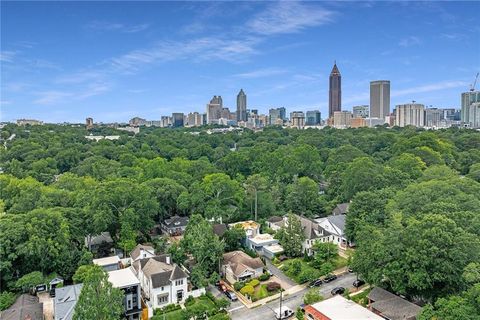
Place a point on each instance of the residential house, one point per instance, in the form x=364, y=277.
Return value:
x=312, y=232
x=108, y=263
x=126, y=280
x=175, y=226
x=262, y=241
x=338, y=308
x=141, y=252
x=94, y=242
x=239, y=266
x=341, y=208
x=391, y=306
x=65, y=300
x=335, y=226
x=162, y=281
x=275, y=223
x=25, y=307
x=251, y=227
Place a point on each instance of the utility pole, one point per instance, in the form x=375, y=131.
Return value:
x=281, y=313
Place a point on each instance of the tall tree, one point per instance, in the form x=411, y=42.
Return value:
x=98, y=299
x=291, y=236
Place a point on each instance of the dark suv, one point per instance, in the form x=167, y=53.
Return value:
x=337, y=290
x=329, y=278
x=315, y=283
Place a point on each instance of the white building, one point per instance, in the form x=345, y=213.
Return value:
x=126, y=280
x=411, y=114
x=162, y=281
x=108, y=263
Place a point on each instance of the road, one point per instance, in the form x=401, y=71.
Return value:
x=293, y=301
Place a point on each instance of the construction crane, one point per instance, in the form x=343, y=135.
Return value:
x=472, y=86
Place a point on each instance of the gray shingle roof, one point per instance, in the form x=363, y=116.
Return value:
x=160, y=272
x=219, y=229
x=341, y=208
x=338, y=221
x=65, y=301
x=392, y=306
x=176, y=222
x=135, y=253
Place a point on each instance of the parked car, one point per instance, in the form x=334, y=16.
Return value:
x=285, y=313
x=302, y=307
x=316, y=283
x=357, y=283
x=329, y=278
x=337, y=290
x=350, y=270
x=231, y=295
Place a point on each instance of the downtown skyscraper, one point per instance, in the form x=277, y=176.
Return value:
x=335, y=91
x=379, y=99
x=241, y=106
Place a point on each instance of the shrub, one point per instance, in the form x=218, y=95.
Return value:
x=167, y=308
x=307, y=275
x=273, y=286
x=265, y=276
x=222, y=303
x=189, y=301
x=247, y=290
x=29, y=280
x=254, y=282
x=275, y=260
x=251, y=253
x=210, y=296
x=6, y=300
x=312, y=296
x=238, y=285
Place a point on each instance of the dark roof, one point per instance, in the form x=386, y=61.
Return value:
x=177, y=273
x=176, y=222
x=239, y=261
x=219, y=229
x=341, y=208
x=275, y=219
x=143, y=262
x=311, y=229
x=25, y=307
x=392, y=306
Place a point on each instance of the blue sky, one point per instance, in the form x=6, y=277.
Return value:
x=64, y=61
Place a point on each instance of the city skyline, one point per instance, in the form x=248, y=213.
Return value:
x=115, y=69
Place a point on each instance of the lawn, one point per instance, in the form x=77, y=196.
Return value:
x=361, y=298
x=301, y=271
x=262, y=292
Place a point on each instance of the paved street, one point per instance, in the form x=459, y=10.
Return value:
x=279, y=274
x=293, y=301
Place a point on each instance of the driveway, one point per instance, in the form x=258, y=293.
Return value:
x=293, y=301
x=237, y=305
x=280, y=275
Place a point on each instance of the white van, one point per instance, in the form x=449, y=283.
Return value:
x=285, y=313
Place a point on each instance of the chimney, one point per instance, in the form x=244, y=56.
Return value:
x=167, y=259
x=142, y=253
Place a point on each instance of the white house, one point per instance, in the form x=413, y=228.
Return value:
x=335, y=226
x=141, y=252
x=108, y=263
x=162, y=281
x=126, y=280
x=261, y=242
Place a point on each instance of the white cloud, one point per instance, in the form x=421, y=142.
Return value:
x=7, y=56
x=429, y=87
x=409, y=41
x=260, y=73
x=51, y=97
x=206, y=48
x=289, y=17
x=109, y=26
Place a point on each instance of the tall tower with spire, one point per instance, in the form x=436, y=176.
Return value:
x=241, y=106
x=335, y=91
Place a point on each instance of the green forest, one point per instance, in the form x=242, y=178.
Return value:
x=414, y=213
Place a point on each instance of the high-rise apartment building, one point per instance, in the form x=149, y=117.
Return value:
x=89, y=123
x=214, y=109
x=362, y=111
x=297, y=119
x=177, y=119
x=379, y=99
x=335, y=91
x=313, y=118
x=194, y=119
x=468, y=99
x=241, y=106
x=410, y=114
x=342, y=119
x=433, y=116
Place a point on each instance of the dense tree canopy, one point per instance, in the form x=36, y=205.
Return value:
x=414, y=211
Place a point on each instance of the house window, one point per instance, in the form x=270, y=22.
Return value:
x=179, y=282
x=162, y=299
